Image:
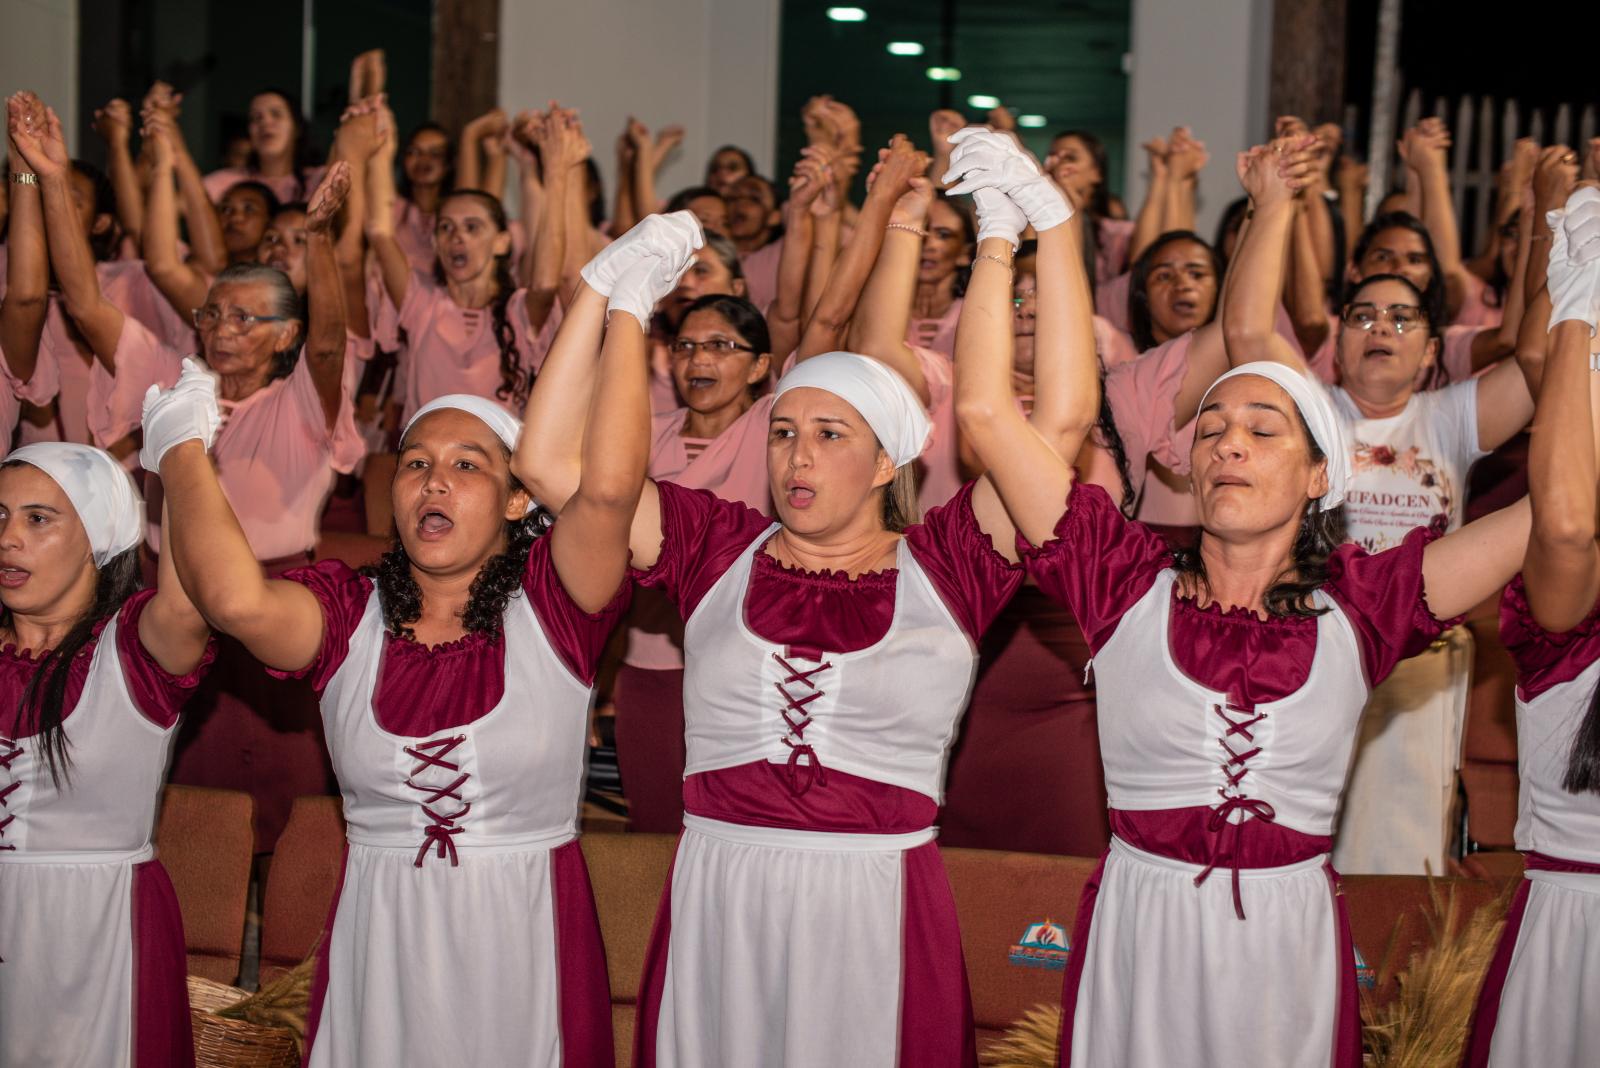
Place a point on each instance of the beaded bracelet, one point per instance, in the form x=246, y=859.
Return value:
x=908, y=228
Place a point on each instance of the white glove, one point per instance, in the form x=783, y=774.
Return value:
x=188, y=410
x=988, y=160
x=659, y=235
x=644, y=284
x=1574, y=275
x=998, y=216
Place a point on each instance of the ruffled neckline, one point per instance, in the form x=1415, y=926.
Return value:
x=834, y=580
x=1235, y=615
x=470, y=641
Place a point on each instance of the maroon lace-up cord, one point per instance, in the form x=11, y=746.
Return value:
x=1234, y=769
x=438, y=835
x=9, y=752
x=804, y=767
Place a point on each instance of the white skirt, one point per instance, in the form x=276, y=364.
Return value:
x=1548, y=1006
x=1172, y=976
x=441, y=965
x=785, y=948
x=66, y=940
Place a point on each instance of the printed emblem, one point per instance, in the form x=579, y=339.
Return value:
x=1043, y=945
x=1366, y=978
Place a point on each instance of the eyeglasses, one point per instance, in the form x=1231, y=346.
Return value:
x=211, y=316
x=1403, y=317
x=717, y=346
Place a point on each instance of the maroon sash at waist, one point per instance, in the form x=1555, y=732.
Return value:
x=1544, y=862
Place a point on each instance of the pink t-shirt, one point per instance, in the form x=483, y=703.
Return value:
x=10, y=409
x=413, y=232
x=733, y=465
x=1112, y=345
x=938, y=334
x=1142, y=396
x=761, y=274
x=1111, y=299
x=939, y=469
x=1111, y=257
x=451, y=349
x=276, y=457
x=127, y=284
x=63, y=374
x=287, y=187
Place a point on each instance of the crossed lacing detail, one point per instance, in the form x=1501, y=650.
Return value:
x=9, y=752
x=1234, y=769
x=801, y=755
x=438, y=835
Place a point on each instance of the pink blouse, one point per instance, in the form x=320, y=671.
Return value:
x=1111, y=256
x=413, y=232
x=276, y=456
x=1142, y=396
x=426, y=688
x=451, y=349
x=287, y=188
x=761, y=274
x=159, y=695
x=938, y=333
x=1100, y=565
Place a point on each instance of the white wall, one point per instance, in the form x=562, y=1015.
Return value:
x=1206, y=66
x=710, y=66
x=39, y=51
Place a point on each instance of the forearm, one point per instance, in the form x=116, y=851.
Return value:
x=819, y=265
x=22, y=313
x=392, y=266
x=549, y=457
x=125, y=186
x=878, y=327
x=1149, y=224
x=1066, y=371
x=1178, y=209
x=1306, y=295
x=171, y=628
x=549, y=251
x=826, y=328
x=577, y=240
x=99, y=320
x=1562, y=568
x=1250, y=299
x=206, y=249
x=783, y=318
x=469, y=161
x=181, y=283
x=326, y=338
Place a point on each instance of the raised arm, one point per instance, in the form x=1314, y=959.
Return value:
x=1271, y=175
x=623, y=212
x=1306, y=294
x=171, y=628
x=1150, y=222
x=392, y=266
x=1429, y=155
x=27, y=292
x=326, y=338
x=561, y=151
x=114, y=123
x=784, y=316
x=474, y=162
x=181, y=283
x=38, y=138
x=1186, y=158
x=279, y=622
x=1467, y=565
x=878, y=327
x=825, y=331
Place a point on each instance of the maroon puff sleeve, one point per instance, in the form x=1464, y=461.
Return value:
x=1382, y=595
x=578, y=637
x=158, y=694
x=701, y=536
x=974, y=580
x=1545, y=658
x=343, y=595
x=1099, y=564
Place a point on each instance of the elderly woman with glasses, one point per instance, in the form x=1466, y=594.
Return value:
x=288, y=429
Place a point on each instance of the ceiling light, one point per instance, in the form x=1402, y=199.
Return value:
x=905, y=48
x=982, y=100
x=847, y=14
x=944, y=74
x=1032, y=121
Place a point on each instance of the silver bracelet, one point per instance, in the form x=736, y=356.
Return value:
x=24, y=178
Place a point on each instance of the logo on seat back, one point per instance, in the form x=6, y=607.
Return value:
x=1042, y=945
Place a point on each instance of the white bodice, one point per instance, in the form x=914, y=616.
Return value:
x=508, y=781
x=1549, y=819
x=109, y=794
x=888, y=712
x=1169, y=742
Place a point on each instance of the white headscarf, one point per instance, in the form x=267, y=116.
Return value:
x=101, y=492
x=1327, y=429
x=882, y=397
x=506, y=426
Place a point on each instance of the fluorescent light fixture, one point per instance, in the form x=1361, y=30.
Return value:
x=847, y=14
x=983, y=100
x=944, y=74
x=1032, y=122
x=905, y=48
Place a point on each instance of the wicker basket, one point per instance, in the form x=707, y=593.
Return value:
x=223, y=1043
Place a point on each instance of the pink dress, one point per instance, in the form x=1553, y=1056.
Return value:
x=92, y=958
x=815, y=769
x=1262, y=714
x=288, y=188
x=1536, y=1005
x=1142, y=396
x=451, y=349
x=937, y=333
x=462, y=770
x=649, y=688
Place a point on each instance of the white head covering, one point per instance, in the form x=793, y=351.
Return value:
x=100, y=490
x=882, y=397
x=1327, y=429
x=506, y=426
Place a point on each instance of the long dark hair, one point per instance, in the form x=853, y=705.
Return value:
x=969, y=237
x=499, y=580
x=1100, y=196
x=303, y=158
x=1433, y=296
x=1321, y=532
x=1140, y=324
x=515, y=379
x=285, y=302
x=43, y=705
x=1105, y=427
x=1583, y=762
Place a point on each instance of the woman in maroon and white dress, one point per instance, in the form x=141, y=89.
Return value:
x=1537, y=1002
x=1230, y=679
x=92, y=676
x=827, y=656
